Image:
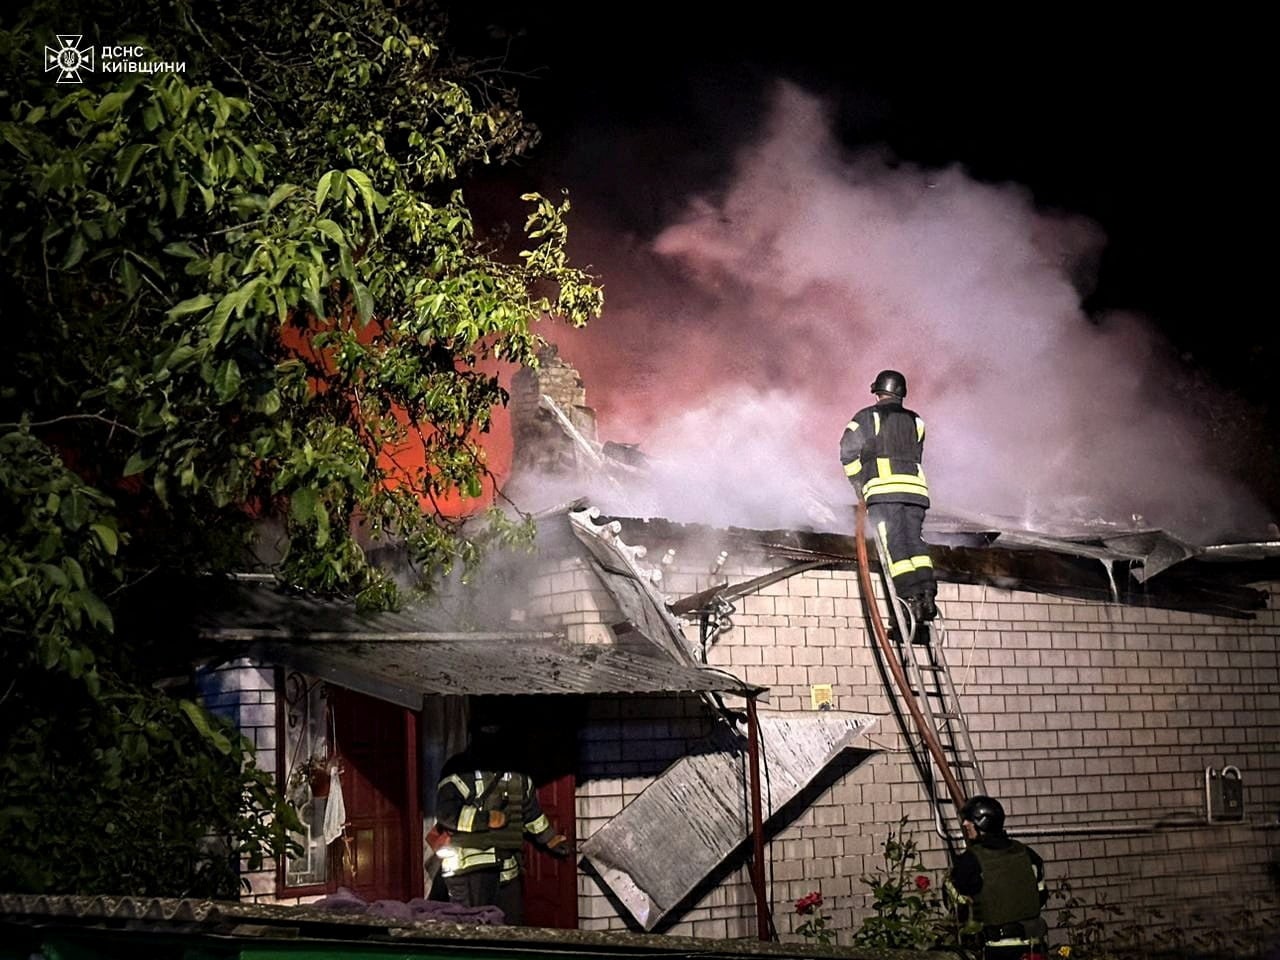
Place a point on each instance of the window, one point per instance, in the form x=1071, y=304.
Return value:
x=307, y=755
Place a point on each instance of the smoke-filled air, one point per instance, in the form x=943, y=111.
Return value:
x=737, y=343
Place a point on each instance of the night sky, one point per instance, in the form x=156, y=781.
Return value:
x=1158, y=132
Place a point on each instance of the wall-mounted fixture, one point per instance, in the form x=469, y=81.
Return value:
x=1223, y=795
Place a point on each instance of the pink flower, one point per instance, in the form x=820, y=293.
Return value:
x=922, y=883
x=808, y=902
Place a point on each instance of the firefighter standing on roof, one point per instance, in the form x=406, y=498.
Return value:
x=881, y=449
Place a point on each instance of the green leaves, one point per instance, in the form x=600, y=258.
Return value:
x=910, y=912
x=200, y=720
x=196, y=304
x=332, y=182
x=332, y=231
x=128, y=160
x=233, y=316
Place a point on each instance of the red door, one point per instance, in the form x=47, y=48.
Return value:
x=549, y=751
x=551, y=884
x=377, y=745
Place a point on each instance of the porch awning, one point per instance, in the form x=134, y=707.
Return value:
x=404, y=671
x=403, y=656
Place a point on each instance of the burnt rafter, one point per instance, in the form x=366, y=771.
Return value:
x=1114, y=568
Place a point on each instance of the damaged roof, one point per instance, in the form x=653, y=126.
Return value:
x=403, y=672
x=1134, y=567
x=402, y=656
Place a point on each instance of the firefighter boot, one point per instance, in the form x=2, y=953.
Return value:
x=928, y=607
x=915, y=615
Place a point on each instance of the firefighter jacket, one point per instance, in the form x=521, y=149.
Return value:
x=882, y=448
x=465, y=798
x=1005, y=881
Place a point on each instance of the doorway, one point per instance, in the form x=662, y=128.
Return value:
x=381, y=852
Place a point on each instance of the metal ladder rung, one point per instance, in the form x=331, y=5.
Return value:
x=929, y=682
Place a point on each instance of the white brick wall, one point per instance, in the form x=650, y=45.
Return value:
x=1083, y=714
x=244, y=693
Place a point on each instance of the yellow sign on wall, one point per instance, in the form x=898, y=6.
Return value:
x=820, y=696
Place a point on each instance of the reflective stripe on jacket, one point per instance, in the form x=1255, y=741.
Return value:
x=882, y=448
x=464, y=800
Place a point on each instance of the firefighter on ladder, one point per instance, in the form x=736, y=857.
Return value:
x=882, y=448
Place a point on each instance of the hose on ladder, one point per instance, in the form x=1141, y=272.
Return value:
x=895, y=664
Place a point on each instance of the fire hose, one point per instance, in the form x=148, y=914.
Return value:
x=895, y=665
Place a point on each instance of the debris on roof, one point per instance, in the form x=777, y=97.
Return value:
x=1138, y=568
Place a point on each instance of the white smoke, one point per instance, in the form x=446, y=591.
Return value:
x=738, y=345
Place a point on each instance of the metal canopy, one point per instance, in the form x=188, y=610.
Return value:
x=403, y=671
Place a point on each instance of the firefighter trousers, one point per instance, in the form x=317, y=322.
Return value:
x=899, y=525
x=482, y=887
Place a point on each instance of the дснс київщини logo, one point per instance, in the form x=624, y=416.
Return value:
x=68, y=58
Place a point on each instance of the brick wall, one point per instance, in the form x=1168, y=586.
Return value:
x=540, y=444
x=1086, y=716
x=244, y=692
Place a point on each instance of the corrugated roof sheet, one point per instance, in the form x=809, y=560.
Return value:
x=630, y=584
x=403, y=671
x=402, y=656
x=699, y=805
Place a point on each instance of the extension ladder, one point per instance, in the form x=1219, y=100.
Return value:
x=929, y=685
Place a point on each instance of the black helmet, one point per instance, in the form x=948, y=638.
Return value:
x=890, y=381
x=986, y=814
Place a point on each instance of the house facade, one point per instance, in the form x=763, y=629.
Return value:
x=1093, y=721
x=1122, y=699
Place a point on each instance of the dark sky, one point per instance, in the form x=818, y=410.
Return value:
x=1157, y=130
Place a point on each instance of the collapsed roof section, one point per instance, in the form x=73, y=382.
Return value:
x=632, y=585
x=689, y=821
x=1145, y=568
x=557, y=447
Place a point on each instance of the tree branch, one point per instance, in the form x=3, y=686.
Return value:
x=114, y=424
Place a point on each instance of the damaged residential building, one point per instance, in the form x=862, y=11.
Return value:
x=1118, y=690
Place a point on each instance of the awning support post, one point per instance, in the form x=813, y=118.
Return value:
x=757, y=824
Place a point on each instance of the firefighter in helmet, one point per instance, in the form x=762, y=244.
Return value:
x=882, y=448
x=488, y=809
x=1003, y=882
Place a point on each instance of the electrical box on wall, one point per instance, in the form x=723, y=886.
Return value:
x=1223, y=794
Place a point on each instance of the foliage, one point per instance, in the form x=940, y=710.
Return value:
x=1085, y=928
x=814, y=926
x=243, y=297
x=1106, y=931
x=909, y=909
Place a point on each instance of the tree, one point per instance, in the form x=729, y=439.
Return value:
x=248, y=292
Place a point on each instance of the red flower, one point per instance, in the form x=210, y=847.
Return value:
x=808, y=902
x=922, y=883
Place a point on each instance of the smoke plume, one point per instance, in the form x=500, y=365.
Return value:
x=739, y=341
